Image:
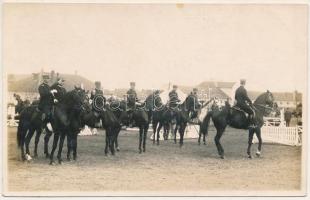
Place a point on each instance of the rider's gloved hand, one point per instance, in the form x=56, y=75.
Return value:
x=55, y=101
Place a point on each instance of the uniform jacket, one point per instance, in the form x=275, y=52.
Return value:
x=46, y=98
x=242, y=96
x=61, y=91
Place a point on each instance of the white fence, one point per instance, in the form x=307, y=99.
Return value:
x=282, y=135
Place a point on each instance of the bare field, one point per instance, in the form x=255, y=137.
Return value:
x=162, y=168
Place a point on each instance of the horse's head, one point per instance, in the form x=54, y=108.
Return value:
x=265, y=102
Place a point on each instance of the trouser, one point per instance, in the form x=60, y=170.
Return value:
x=248, y=110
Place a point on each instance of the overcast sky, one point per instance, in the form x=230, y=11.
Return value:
x=156, y=44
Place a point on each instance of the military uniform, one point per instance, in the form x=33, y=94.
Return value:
x=173, y=99
x=153, y=101
x=46, y=100
x=196, y=105
x=243, y=100
x=61, y=91
x=132, y=98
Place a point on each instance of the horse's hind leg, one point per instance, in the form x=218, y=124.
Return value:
x=36, y=142
x=106, y=150
x=217, y=139
x=251, y=134
x=46, y=140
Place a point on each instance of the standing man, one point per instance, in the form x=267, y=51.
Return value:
x=46, y=100
x=287, y=117
x=244, y=102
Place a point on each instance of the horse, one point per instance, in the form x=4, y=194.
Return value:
x=182, y=116
x=30, y=121
x=236, y=118
x=139, y=116
x=159, y=114
x=65, y=117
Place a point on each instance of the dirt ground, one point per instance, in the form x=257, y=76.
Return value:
x=162, y=168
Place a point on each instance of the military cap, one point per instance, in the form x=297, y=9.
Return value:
x=175, y=86
x=242, y=81
x=132, y=83
x=195, y=89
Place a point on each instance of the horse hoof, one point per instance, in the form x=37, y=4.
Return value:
x=52, y=163
x=222, y=157
x=117, y=149
x=249, y=156
x=204, y=143
x=257, y=154
x=28, y=157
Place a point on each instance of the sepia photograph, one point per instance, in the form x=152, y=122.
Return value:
x=154, y=99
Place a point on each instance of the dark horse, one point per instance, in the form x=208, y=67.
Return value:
x=236, y=118
x=66, y=113
x=182, y=114
x=139, y=116
x=160, y=116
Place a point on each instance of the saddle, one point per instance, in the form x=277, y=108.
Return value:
x=235, y=107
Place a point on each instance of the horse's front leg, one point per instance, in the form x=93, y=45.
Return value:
x=140, y=138
x=251, y=134
x=158, y=130
x=154, y=124
x=260, y=141
x=144, y=137
x=106, y=151
x=69, y=146
x=55, y=142
x=36, y=142
x=61, y=143
x=46, y=140
x=175, y=133
x=74, y=145
x=27, y=142
x=116, y=139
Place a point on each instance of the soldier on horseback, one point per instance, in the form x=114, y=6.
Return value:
x=196, y=106
x=46, y=100
x=60, y=90
x=174, y=98
x=98, y=100
x=132, y=99
x=244, y=102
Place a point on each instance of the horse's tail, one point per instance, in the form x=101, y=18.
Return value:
x=204, y=125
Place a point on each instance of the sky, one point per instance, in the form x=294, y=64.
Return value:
x=157, y=44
